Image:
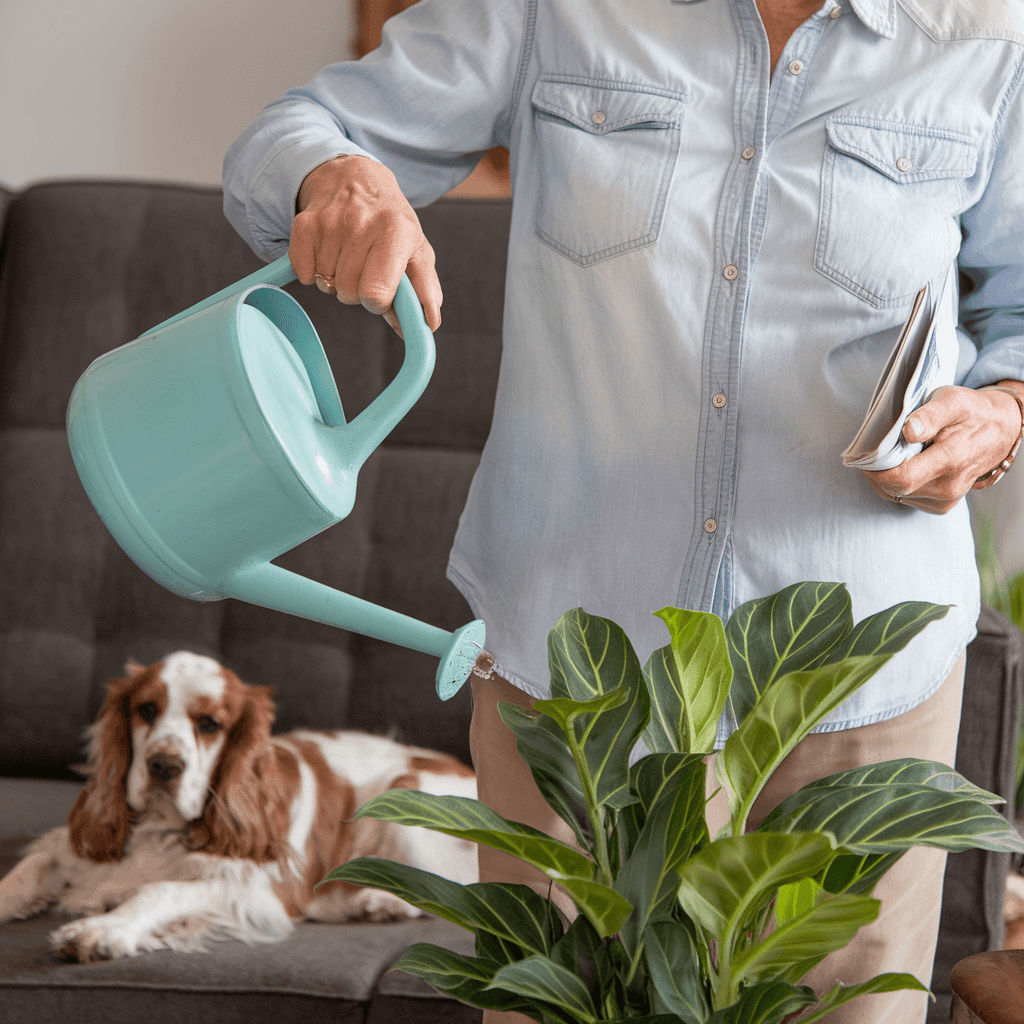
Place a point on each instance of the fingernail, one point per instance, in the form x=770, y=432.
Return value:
x=915, y=425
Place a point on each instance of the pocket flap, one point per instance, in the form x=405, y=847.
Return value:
x=904, y=152
x=607, y=106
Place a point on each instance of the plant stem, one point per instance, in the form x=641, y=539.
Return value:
x=593, y=811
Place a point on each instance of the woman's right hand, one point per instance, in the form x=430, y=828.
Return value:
x=355, y=234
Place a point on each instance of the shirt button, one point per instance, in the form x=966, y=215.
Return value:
x=903, y=164
x=710, y=526
x=731, y=273
x=719, y=400
x=834, y=13
x=796, y=67
x=597, y=117
x=748, y=153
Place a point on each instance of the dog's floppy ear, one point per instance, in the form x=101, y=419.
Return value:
x=99, y=823
x=246, y=815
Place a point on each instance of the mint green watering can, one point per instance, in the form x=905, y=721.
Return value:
x=216, y=442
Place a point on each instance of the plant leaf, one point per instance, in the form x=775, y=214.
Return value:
x=767, y=1003
x=888, y=631
x=908, y=770
x=782, y=717
x=605, y=909
x=581, y=951
x=472, y=820
x=857, y=874
x=654, y=774
x=688, y=682
x=842, y=994
x=790, y=631
x=893, y=818
x=724, y=883
x=590, y=657
x=542, y=746
x=675, y=826
x=792, y=949
x=677, y=985
x=539, y=979
x=465, y=978
x=514, y=913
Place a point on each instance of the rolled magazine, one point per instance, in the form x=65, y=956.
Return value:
x=925, y=358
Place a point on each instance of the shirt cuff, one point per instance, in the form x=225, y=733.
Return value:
x=275, y=187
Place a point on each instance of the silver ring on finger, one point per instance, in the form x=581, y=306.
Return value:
x=898, y=498
x=325, y=279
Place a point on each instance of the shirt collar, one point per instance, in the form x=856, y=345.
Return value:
x=878, y=15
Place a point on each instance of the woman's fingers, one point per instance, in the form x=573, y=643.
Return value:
x=355, y=234
x=966, y=433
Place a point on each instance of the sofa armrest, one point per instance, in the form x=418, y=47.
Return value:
x=975, y=882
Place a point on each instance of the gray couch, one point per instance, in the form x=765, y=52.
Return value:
x=85, y=267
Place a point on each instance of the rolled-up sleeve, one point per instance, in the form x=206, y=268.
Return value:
x=992, y=254
x=427, y=103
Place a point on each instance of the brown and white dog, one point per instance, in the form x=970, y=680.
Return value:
x=195, y=823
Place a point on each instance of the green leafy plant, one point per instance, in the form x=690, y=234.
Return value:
x=675, y=925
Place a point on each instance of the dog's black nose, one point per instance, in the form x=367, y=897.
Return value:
x=164, y=767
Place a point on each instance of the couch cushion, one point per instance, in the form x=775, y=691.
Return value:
x=324, y=972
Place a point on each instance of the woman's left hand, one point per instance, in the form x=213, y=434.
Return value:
x=967, y=433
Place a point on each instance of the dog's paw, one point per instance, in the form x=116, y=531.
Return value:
x=377, y=905
x=89, y=939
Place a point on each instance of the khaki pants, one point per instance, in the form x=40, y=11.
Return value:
x=903, y=937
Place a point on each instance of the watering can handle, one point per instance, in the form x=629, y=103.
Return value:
x=365, y=433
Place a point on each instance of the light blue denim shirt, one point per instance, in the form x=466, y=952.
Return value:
x=707, y=271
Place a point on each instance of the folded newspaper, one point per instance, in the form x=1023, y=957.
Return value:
x=924, y=359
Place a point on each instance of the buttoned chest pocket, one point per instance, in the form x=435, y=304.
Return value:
x=606, y=154
x=891, y=199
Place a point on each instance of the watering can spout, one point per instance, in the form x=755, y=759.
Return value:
x=217, y=441
x=270, y=586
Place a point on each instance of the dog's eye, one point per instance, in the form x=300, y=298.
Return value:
x=207, y=724
x=147, y=712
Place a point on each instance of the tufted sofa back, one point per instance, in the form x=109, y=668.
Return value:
x=85, y=267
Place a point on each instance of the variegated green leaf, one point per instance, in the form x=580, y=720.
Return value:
x=677, y=985
x=790, y=631
x=908, y=770
x=789, y=951
x=888, y=631
x=783, y=716
x=857, y=873
x=654, y=774
x=842, y=994
x=541, y=980
x=581, y=951
x=605, y=909
x=675, y=826
x=767, y=1003
x=514, y=913
x=565, y=711
x=590, y=657
x=465, y=978
x=688, y=681
x=541, y=744
x=722, y=886
x=795, y=898
x=893, y=818
x=472, y=820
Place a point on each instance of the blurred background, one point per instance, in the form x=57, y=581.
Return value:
x=159, y=90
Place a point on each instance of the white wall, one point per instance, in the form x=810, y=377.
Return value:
x=153, y=89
